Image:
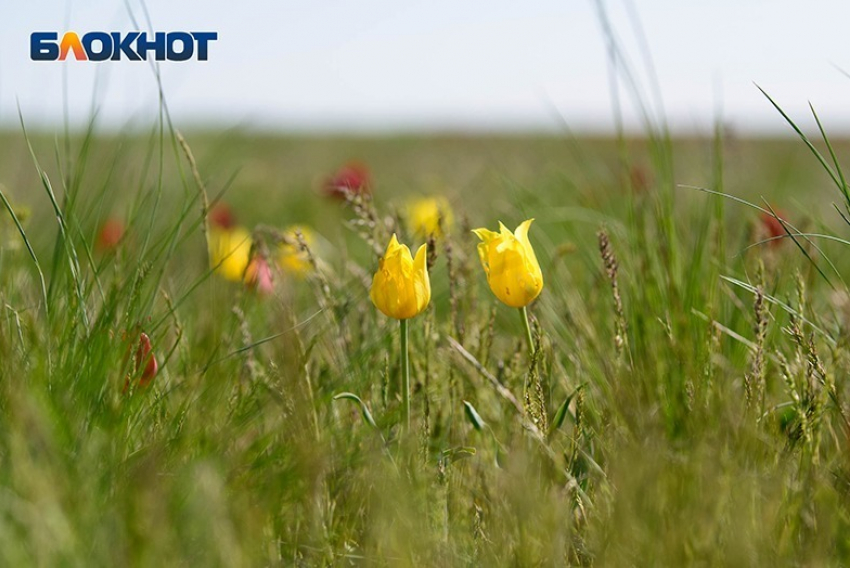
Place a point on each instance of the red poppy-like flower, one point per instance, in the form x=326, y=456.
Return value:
x=353, y=177
x=771, y=227
x=258, y=275
x=145, y=360
x=110, y=234
x=145, y=366
x=221, y=216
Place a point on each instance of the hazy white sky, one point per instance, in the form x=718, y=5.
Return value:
x=437, y=64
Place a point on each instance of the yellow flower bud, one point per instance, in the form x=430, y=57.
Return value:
x=512, y=270
x=290, y=257
x=401, y=288
x=429, y=216
x=230, y=250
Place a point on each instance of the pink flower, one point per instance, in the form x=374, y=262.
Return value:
x=258, y=276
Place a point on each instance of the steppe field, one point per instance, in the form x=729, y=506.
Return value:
x=193, y=372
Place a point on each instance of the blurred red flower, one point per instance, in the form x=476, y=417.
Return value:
x=771, y=227
x=221, y=216
x=145, y=366
x=353, y=177
x=110, y=234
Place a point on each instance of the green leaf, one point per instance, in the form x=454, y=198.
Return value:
x=477, y=422
x=563, y=410
x=364, y=410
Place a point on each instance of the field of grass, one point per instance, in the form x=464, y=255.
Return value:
x=686, y=402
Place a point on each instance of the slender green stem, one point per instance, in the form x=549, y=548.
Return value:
x=523, y=314
x=405, y=372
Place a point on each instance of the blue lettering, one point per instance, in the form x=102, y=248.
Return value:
x=115, y=46
x=188, y=46
x=105, y=45
x=203, y=39
x=124, y=46
x=143, y=45
x=43, y=46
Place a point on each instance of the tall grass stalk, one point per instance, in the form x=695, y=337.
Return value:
x=405, y=370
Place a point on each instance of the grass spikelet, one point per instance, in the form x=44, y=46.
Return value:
x=609, y=261
x=478, y=535
x=365, y=223
x=432, y=252
x=199, y=182
x=754, y=380
x=534, y=392
x=251, y=365
x=454, y=284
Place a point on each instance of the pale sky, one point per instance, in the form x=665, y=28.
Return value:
x=384, y=65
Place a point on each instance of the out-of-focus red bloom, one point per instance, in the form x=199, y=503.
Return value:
x=145, y=360
x=111, y=233
x=258, y=275
x=353, y=177
x=145, y=366
x=771, y=228
x=221, y=216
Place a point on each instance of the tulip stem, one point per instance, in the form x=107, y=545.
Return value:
x=405, y=372
x=523, y=314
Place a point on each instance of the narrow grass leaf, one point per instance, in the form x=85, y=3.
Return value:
x=473, y=416
x=364, y=410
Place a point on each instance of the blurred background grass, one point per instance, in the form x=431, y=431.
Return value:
x=277, y=180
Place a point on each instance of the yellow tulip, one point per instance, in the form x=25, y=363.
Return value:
x=290, y=257
x=230, y=251
x=512, y=270
x=401, y=288
x=429, y=216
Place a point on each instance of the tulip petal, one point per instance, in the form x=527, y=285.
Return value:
x=420, y=278
x=522, y=236
x=392, y=246
x=420, y=263
x=486, y=235
x=400, y=287
x=522, y=231
x=510, y=264
x=483, y=254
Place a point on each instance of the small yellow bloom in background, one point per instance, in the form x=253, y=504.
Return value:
x=424, y=216
x=401, y=288
x=230, y=251
x=512, y=270
x=290, y=257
